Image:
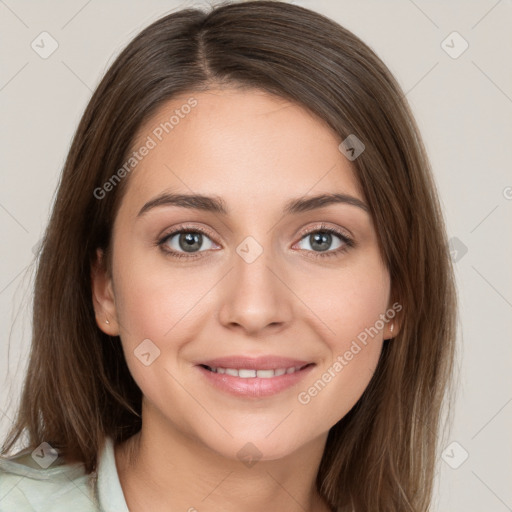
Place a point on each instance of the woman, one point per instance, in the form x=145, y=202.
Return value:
x=244, y=298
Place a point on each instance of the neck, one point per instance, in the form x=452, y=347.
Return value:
x=163, y=468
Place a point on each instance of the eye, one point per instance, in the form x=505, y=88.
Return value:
x=183, y=243
x=187, y=242
x=321, y=239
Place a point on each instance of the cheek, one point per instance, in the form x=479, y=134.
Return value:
x=152, y=299
x=347, y=302
x=164, y=306
x=348, y=314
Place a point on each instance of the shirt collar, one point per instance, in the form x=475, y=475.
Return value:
x=110, y=492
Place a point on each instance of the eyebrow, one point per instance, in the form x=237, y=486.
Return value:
x=215, y=204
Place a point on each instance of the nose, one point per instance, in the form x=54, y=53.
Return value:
x=255, y=297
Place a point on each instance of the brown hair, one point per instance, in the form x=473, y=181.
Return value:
x=78, y=389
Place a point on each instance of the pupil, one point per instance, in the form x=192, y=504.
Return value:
x=192, y=241
x=188, y=240
x=319, y=238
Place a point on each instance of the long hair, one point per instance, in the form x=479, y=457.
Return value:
x=78, y=389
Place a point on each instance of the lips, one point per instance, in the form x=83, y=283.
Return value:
x=248, y=373
x=255, y=377
x=255, y=363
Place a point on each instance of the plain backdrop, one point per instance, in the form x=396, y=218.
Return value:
x=460, y=88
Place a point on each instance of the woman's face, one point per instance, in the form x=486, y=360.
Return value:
x=248, y=272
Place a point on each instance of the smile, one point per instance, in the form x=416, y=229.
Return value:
x=253, y=378
x=246, y=373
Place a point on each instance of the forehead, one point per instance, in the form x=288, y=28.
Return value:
x=248, y=146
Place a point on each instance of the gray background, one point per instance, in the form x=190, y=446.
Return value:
x=464, y=109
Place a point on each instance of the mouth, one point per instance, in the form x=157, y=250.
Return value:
x=254, y=377
x=248, y=373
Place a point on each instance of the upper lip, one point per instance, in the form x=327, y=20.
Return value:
x=267, y=362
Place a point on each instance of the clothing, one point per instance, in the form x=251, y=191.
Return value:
x=27, y=487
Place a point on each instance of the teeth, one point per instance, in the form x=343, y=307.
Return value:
x=249, y=374
x=265, y=374
x=245, y=374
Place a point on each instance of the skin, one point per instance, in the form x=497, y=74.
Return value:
x=255, y=151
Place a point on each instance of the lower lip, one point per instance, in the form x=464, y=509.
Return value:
x=254, y=387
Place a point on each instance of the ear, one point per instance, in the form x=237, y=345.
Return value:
x=103, y=296
x=394, y=321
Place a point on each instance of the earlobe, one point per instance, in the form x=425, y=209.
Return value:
x=394, y=321
x=393, y=328
x=390, y=328
x=103, y=296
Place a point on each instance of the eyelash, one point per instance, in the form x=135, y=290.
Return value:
x=348, y=242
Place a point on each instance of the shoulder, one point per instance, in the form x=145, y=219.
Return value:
x=28, y=486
